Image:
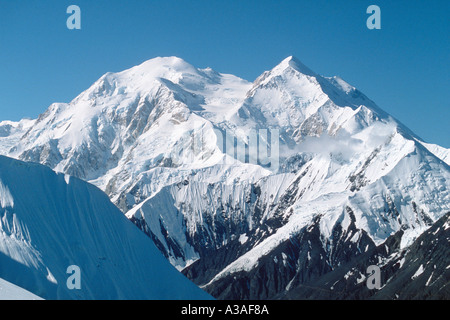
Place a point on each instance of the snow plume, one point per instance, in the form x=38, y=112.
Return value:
x=6, y=199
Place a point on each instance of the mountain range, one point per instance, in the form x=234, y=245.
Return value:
x=274, y=189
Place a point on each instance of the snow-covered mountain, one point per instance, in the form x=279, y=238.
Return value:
x=51, y=221
x=9, y=291
x=226, y=175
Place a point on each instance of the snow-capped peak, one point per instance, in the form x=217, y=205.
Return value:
x=293, y=63
x=170, y=68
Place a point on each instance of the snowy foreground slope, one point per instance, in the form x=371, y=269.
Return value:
x=332, y=177
x=9, y=291
x=51, y=221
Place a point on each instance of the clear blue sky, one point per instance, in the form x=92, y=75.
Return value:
x=404, y=67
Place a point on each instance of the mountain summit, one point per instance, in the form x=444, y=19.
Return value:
x=296, y=64
x=171, y=145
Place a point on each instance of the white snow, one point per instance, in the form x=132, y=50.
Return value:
x=418, y=272
x=6, y=199
x=401, y=262
x=440, y=152
x=429, y=279
x=9, y=291
x=243, y=238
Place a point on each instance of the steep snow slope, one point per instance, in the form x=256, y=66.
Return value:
x=440, y=152
x=51, y=221
x=9, y=291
